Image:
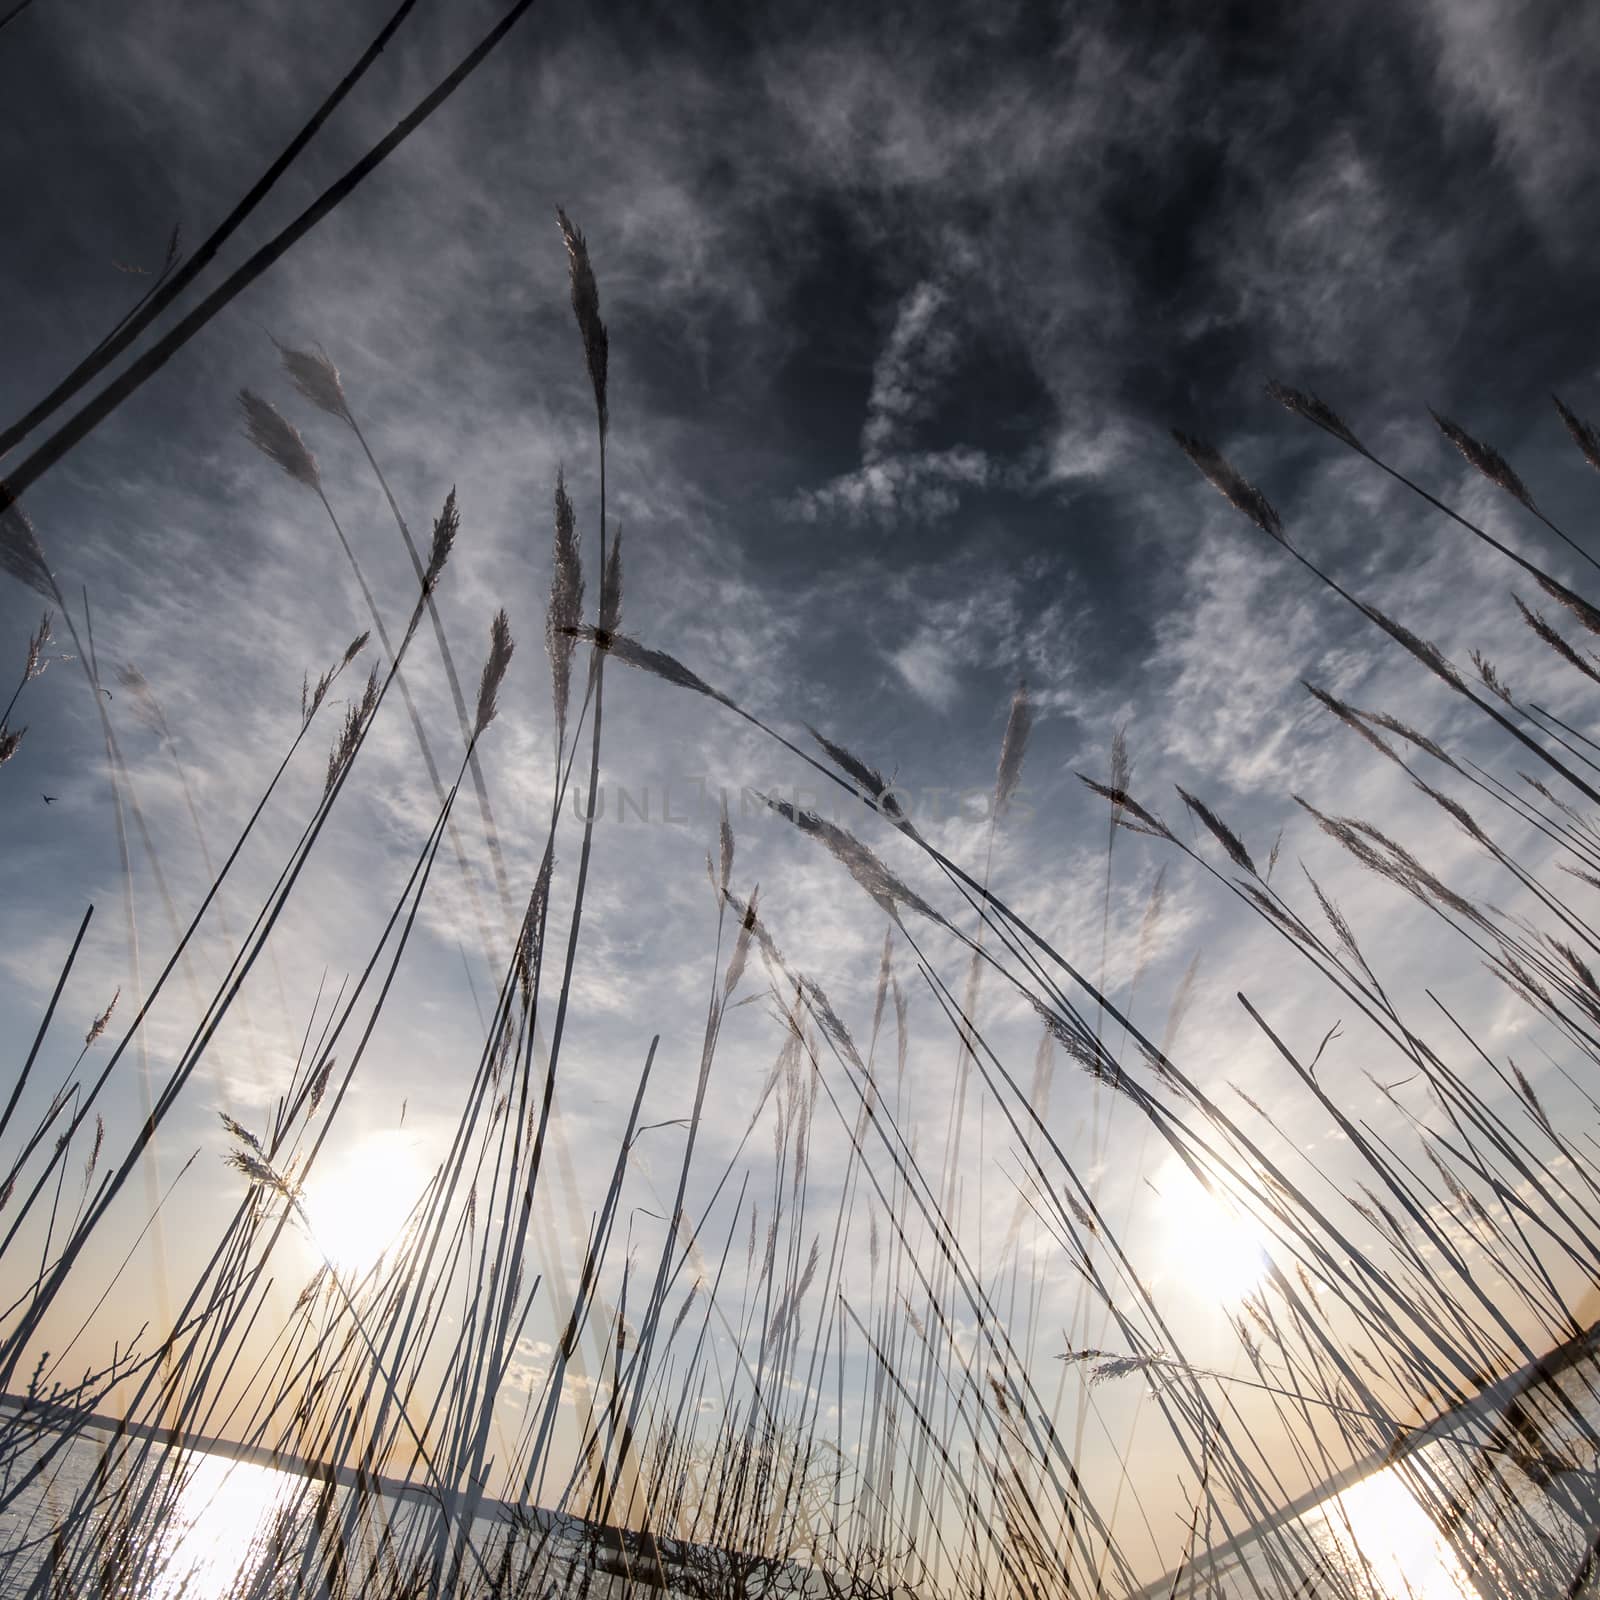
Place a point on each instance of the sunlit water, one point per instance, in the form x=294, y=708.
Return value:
x=223, y=1529
x=1457, y=1522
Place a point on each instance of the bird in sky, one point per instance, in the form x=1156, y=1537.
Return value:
x=49, y=799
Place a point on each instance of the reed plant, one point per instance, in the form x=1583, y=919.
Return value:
x=829, y=1384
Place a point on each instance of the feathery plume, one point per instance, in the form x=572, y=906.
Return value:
x=1485, y=458
x=240, y=1132
x=20, y=554
x=10, y=740
x=95, y=1149
x=1224, y=835
x=683, y=1310
x=319, y=1084
x=1532, y=1099
x=1109, y=1368
x=531, y=934
x=311, y=698
x=316, y=377
x=355, y=721
x=1082, y=1046
x=1349, y=717
x=873, y=782
x=586, y=307
x=565, y=612
x=98, y=1026
x=1583, y=435
x=1013, y=747
x=1121, y=800
x=1491, y=679
x=1121, y=761
x=656, y=662
x=1425, y=651
x=1230, y=484
x=37, y=661
x=1382, y=719
x=501, y=646
x=1392, y=861
x=278, y=439
x=1314, y=411
x=1560, y=645
x=611, y=586
x=313, y=1284
x=260, y=1171
x=1587, y=614
x=146, y=707
x=749, y=926
x=865, y=867
x=725, y=832
x=1080, y=1216
x=1121, y=775
x=822, y=1008
x=1456, y=810
x=445, y=529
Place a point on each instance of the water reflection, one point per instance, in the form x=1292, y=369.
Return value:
x=221, y=1528
x=1380, y=1539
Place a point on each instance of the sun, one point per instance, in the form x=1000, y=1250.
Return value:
x=358, y=1203
x=1218, y=1254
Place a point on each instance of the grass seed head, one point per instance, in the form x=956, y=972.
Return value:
x=1485, y=458
x=501, y=646
x=349, y=740
x=1013, y=747
x=1231, y=484
x=611, y=586
x=445, y=528
x=1224, y=835
x=95, y=1149
x=725, y=838
x=1491, y=679
x=565, y=612
x=278, y=439
x=1314, y=411
x=316, y=377
x=586, y=307
x=100, y=1023
x=319, y=1084
x=20, y=553
x=37, y=660
x=1557, y=642
x=877, y=787
x=1583, y=435
x=1122, y=801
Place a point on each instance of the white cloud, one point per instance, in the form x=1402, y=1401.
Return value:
x=919, y=351
x=913, y=487
x=1529, y=71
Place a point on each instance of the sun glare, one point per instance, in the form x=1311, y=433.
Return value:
x=1380, y=1533
x=218, y=1531
x=1219, y=1255
x=358, y=1204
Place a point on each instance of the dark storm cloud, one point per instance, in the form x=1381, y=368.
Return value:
x=904, y=299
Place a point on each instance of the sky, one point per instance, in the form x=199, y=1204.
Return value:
x=903, y=304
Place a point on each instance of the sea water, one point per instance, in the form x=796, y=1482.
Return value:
x=1502, y=1502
